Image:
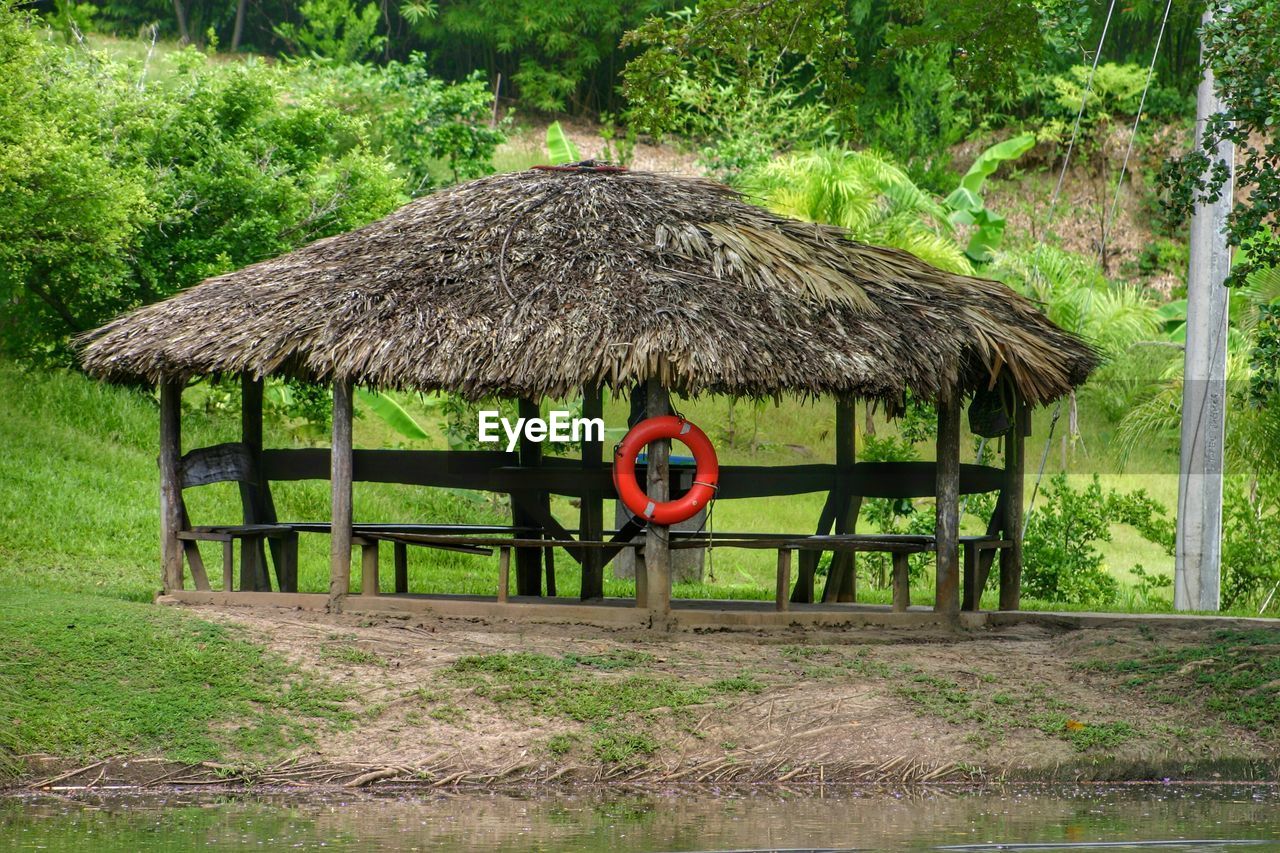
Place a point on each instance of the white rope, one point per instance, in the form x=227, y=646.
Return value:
x=1142, y=102
x=1084, y=99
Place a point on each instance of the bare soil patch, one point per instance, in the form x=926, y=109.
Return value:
x=455, y=702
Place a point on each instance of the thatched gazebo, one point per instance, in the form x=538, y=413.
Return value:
x=555, y=281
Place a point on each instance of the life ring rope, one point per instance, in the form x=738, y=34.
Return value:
x=706, y=476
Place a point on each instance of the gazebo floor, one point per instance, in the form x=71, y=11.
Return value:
x=686, y=614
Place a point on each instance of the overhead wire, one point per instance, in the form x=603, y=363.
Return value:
x=1053, y=206
x=1133, y=134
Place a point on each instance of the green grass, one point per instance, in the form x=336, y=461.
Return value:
x=990, y=709
x=1237, y=676
x=613, y=698
x=90, y=677
x=351, y=655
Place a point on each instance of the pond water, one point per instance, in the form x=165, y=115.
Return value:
x=1089, y=818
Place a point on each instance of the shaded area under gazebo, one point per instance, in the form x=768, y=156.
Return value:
x=583, y=279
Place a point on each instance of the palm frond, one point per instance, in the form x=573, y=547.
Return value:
x=866, y=194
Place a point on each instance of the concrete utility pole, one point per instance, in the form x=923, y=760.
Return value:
x=1204, y=386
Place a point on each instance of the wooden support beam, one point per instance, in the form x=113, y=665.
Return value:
x=255, y=497
x=191, y=549
x=529, y=560
x=657, y=553
x=340, y=534
x=849, y=559
x=901, y=582
x=368, y=566
x=591, y=511
x=287, y=561
x=549, y=555
x=804, y=589
x=947, y=527
x=171, y=484
x=841, y=584
x=251, y=569
x=782, y=597
x=971, y=595
x=539, y=514
x=401, y=552
x=504, y=574
x=228, y=564
x=1012, y=498
x=971, y=557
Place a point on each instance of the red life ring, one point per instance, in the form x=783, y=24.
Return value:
x=704, y=480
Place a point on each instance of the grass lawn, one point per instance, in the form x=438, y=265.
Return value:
x=89, y=677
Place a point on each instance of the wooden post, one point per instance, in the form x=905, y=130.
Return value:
x=657, y=553
x=803, y=592
x=847, y=516
x=228, y=564
x=340, y=534
x=1015, y=445
x=287, y=566
x=841, y=585
x=171, y=484
x=591, y=512
x=529, y=560
x=947, y=528
x=368, y=566
x=401, y=552
x=783, y=597
x=504, y=574
x=251, y=570
x=255, y=498
x=901, y=582
x=1198, y=542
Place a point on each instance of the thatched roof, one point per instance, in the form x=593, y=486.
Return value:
x=537, y=282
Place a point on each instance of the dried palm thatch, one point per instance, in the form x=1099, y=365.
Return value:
x=538, y=282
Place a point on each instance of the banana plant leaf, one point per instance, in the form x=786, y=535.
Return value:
x=560, y=147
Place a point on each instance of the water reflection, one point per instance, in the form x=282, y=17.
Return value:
x=1059, y=819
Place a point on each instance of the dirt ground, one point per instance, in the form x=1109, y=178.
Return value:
x=445, y=702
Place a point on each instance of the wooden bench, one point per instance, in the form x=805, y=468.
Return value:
x=977, y=552
x=234, y=462
x=891, y=480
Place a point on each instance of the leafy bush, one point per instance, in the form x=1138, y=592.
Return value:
x=334, y=29
x=927, y=117
x=436, y=132
x=740, y=127
x=1061, y=561
x=1250, y=541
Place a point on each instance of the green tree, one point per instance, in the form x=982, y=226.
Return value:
x=436, y=132
x=1242, y=47
x=856, y=58
x=114, y=194
x=73, y=197
x=245, y=172
x=558, y=55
